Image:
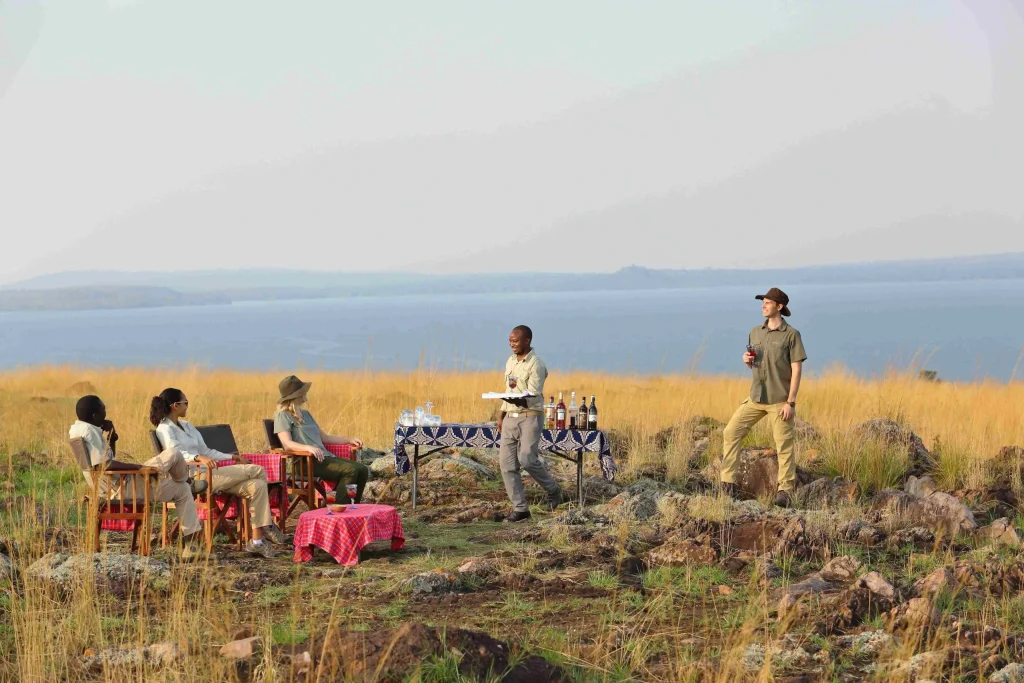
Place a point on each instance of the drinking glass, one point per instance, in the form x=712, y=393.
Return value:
x=513, y=381
x=419, y=416
x=350, y=490
x=430, y=408
x=406, y=419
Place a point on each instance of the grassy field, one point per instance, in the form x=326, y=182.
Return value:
x=600, y=624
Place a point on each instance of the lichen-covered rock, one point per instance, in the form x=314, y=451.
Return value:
x=433, y=582
x=1011, y=673
x=638, y=502
x=825, y=493
x=891, y=433
x=876, y=583
x=921, y=503
x=841, y=570
x=915, y=535
x=115, y=572
x=860, y=531
x=1000, y=532
x=917, y=616
x=158, y=654
x=384, y=466
x=680, y=551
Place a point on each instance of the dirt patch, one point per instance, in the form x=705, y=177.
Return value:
x=392, y=654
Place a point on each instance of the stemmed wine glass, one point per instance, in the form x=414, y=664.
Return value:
x=350, y=490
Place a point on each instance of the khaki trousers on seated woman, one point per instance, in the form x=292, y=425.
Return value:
x=250, y=482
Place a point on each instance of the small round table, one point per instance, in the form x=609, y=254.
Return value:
x=344, y=534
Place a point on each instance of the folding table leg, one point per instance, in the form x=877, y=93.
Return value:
x=415, y=473
x=579, y=477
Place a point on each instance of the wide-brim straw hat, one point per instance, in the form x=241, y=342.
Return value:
x=291, y=387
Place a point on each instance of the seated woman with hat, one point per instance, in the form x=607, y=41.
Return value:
x=298, y=431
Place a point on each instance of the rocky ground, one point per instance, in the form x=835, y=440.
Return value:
x=652, y=580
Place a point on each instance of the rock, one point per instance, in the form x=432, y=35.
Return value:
x=477, y=569
x=1000, y=532
x=916, y=616
x=725, y=590
x=920, y=503
x=599, y=488
x=861, y=532
x=796, y=541
x=812, y=585
x=157, y=654
x=924, y=664
x=679, y=552
x=840, y=570
x=767, y=570
x=805, y=431
x=874, y=582
x=638, y=502
x=757, y=472
x=433, y=582
x=868, y=645
x=241, y=649
x=301, y=664
x=753, y=658
x=825, y=493
x=446, y=465
x=6, y=568
x=114, y=572
x=891, y=433
x=1011, y=673
x=384, y=466
x=757, y=536
x=915, y=535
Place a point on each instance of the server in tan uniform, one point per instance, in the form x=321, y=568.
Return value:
x=775, y=354
x=521, y=423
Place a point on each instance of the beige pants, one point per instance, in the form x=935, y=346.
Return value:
x=172, y=487
x=247, y=481
x=746, y=416
x=520, y=448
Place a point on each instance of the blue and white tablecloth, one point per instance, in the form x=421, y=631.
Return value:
x=487, y=436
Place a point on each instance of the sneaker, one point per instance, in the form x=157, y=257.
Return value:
x=198, y=485
x=275, y=535
x=263, y=550
x=782, y=499
x=515, y=516
x=554, y=501
x=193, y=547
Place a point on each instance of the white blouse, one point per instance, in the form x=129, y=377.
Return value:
x=186, y=439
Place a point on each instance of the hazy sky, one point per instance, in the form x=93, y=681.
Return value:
x=341, y=133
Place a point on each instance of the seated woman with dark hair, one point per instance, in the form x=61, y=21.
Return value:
x=242, y=479
x=298, y=431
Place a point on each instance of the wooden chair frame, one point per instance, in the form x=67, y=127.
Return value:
x=99, y=506
x=220, y=437
x=216, y=515
x=299, y=482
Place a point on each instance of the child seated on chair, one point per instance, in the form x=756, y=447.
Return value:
x=174, y=485
x=241, y=478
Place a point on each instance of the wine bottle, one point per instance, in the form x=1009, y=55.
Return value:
x=574, y=411
x=560, y=412
x=582, y=422
x=549, y=413
x=592, y=414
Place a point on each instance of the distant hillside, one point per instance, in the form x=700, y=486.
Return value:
x=82, y=290
x=81, y=298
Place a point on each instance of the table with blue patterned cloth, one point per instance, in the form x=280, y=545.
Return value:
x=564, y=443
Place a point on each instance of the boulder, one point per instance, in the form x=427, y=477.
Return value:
x=825, y=493
x=6, y=568
x=1011, y=673
x=915, y=535
x=384, y=466
x=680, y=551
x=114, y=572
x=840, y=570
x=891, y=433
x=939, y=580
x=243, y=648
x=805, y=431
x=917, y=616
x=921, y=503
x=868, y=645
x=432, y=582
x=860, y=531
x=1000, y=532
x=446, y=466
x=638, y=502
x=158, y=654
x=598, y=488
x=757, y=472
x=876, y=583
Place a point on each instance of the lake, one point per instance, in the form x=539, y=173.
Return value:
x=964, y=330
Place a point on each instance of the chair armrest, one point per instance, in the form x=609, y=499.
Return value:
x=292, y=454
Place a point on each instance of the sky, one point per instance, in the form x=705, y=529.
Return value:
x=580, y=135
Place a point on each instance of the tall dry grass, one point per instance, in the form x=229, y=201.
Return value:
x=37, y=404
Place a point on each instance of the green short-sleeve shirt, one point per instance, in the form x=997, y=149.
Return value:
x=776, y=350
x=307, y=433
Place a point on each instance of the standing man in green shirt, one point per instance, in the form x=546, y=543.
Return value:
x=775, y=354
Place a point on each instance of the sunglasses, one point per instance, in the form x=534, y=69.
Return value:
x=180, y=403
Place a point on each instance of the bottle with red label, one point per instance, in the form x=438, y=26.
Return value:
x=560, y=412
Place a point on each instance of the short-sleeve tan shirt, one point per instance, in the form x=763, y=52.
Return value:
x=530, y=373
x=776, y=350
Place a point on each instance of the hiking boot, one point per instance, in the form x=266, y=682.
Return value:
x=198, y=485
x=555, y=500
x=783, y=500
x=193, y=547
x=729, y=489
x=263, y=550
x=517, y=516
x=275, y=535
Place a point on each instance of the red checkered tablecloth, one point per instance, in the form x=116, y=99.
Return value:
x=343, y=534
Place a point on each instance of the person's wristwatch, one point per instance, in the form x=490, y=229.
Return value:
x=792, y=403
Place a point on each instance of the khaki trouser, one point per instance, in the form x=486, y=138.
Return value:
x=520, y=447
x=172, y=487
x=746, y=416
x=247, y=481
